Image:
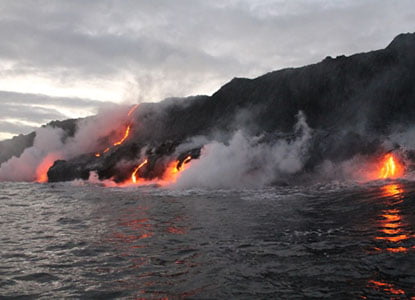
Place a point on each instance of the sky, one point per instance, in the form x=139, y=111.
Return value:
x=69, y=59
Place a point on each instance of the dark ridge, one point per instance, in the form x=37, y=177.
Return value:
x=16, y=145
x=403, y=40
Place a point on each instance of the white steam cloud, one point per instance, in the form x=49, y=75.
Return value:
x=23, y=168
x=245, y=162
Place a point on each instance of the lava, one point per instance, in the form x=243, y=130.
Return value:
x=126, y=134
x=170, y=175
x=44, y=166
x=134, y=174
x=391, y=167
x=174, y=169
x=132, y=110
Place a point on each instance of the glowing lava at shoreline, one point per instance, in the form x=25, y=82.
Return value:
x=44, y=166
x=170, y=174
x=391, y=167
x=134, y=175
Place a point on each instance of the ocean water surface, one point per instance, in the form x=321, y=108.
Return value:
x=323, y=241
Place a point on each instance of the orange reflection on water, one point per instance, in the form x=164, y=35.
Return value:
x=392, y=228
x=397, y=250
x=391, y=216
x=391, y=231
x=392, y=190
x=386, y=287
x=132, y=228
x=393, y=239
x=175, y=230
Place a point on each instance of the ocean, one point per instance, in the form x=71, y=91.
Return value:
x=79, y=240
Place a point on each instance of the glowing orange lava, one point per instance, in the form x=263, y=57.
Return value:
x=170, y=175
x=186, y=160
x=134, y=175
x=126, y=134
x=391, y=167
x=43, y=168
x=173, y=171
x=130, y=112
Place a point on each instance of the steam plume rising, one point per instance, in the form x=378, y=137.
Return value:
x=247, y=162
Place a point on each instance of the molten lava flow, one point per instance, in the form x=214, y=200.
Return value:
x=43, y=168
x=134, y=175
x=126, y=134
x=130, y=112
x=170, y=175
x=391, y=167
x=173, y=171
x=185, y=161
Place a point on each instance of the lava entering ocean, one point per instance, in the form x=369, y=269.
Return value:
x=170, y=174
x=134, y=175
x=42, y=169
x=391, y=167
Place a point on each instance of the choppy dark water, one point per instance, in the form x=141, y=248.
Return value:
x=333, y=241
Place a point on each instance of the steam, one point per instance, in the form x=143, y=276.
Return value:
x=247, y=162
x=51, y=144
x=48, y=140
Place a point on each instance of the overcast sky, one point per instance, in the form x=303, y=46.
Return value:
x=61, y=59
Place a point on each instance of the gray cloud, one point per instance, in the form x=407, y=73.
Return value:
x=182, y=47
x=15, y=128
x=22, y=113
x=102, y=38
